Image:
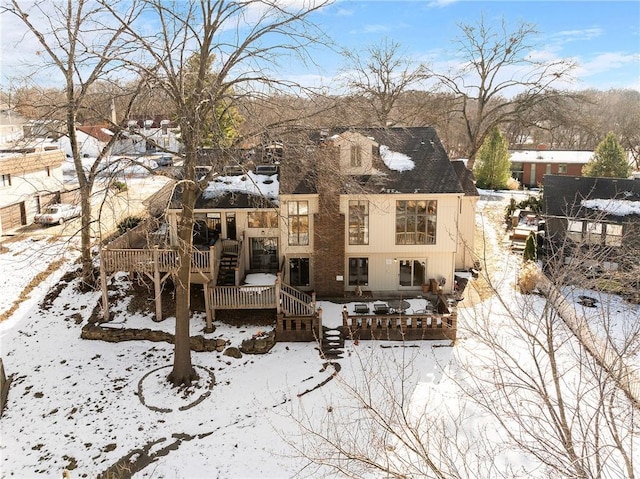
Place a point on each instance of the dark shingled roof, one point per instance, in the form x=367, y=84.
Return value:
x=236, y=200
x=465, y=175
x=562, y=194
x=433, y=172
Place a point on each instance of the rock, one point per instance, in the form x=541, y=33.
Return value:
x=259, y=345
x=232, y=352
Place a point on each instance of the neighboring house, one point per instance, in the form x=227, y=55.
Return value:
x=601, y=214
x=30, y=180
x=148, y=136
x=92, y=140
x=11, y=125
x=530, y=166
x=139, y=138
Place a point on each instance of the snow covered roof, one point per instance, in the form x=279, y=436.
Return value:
x=395, y=160
x=551, y=156
x=250, y=183
x=580, y=196
x=613, y=207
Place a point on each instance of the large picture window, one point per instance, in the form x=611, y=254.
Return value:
x=298, y=212
x=416, y=221
x=358, y=271
x=358, y=222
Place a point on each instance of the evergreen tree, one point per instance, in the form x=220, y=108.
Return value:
x=609, y=160
x=493, y=168
x=530, y=248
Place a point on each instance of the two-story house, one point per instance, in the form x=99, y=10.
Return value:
x=380, y=211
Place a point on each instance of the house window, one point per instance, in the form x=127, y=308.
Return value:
x=358, y=271
x=358, y=222
x=593, y=233
x=416, y=221
x=356, y=156
x=613, y=235
x=562, y=169
x=298, y=223
x=299, y=271
x=548, y=169
x=574, y=230
x=532, y=175
x=6, y=180
x=263, y=219
x=517, y=171
x=411, y=272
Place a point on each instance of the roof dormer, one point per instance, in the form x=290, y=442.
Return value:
x=356, y=153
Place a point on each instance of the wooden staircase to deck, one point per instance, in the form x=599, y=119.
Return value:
x=227, y=269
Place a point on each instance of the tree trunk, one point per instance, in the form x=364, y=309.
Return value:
x=183, y=372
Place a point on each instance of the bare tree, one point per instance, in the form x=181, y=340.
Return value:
x=237, y=41
x=519, y=379
x=379, y=75
x=496, y=66
x=84, y=49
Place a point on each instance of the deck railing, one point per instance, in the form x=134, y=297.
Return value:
x=156, y=259
x=400, y=326
x=244, y=297
x=294, y=302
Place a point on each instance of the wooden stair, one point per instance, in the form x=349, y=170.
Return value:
x=227, y=270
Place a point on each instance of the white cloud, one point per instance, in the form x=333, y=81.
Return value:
x=574, y=35
x=605, y=62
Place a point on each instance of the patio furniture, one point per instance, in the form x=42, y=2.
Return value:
x=399, y=306
x=361, y=308
x=381, y=308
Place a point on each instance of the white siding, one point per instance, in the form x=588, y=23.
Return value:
x=382, y=250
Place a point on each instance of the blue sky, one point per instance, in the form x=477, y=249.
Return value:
x=603, y=37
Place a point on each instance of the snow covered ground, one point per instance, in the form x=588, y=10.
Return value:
x=84, y=405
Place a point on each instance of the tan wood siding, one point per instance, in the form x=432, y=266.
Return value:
x=12, y=216
x=23, y=163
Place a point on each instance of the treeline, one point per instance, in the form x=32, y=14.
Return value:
x=568, y=120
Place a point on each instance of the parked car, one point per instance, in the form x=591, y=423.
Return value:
x=57, y=214
x=165, y=160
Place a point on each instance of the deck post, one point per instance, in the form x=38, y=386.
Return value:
x=278, y=297
x=212, y=263
x=103, y=284
x=156, y=284
x=207, y=308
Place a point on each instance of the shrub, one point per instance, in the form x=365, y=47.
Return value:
x=119, y=186
x=129, y=223
x=532, y=203
x=513, y=184
x=529, y=277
